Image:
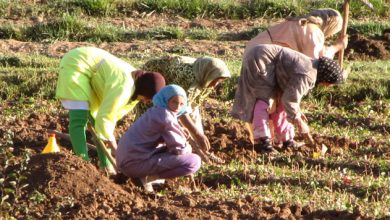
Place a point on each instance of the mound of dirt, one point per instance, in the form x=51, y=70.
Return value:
x=361, y=47
x=76, y=188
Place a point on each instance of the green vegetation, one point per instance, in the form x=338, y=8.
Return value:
x=338, y=189
x=71, y=28
x=72, y=20
x=228, y=9
x=350, y=178
x=354, y=117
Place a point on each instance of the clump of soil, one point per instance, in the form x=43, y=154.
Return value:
x=73, y=188
x=76, y=188
x=361, y=47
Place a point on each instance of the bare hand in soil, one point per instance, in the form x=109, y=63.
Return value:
x=203, y=142
x=309, y=138
x=303, y=127
x=215, y=159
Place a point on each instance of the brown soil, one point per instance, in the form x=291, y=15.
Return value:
x=359, y=47
x=362, y=48
x=77, y=189
x=233, y=43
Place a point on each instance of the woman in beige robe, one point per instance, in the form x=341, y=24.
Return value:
x=305, y=34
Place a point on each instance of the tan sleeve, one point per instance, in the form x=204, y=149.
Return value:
x=292, y=95
x=313, y=41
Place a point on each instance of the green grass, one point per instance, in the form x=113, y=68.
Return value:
x=71, y=28
x=189, y=9
x=295, y=179
x=324, y=189
x=368, y=28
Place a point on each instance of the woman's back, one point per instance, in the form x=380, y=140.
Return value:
x=305, y=38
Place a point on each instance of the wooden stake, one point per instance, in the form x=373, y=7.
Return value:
x=99, y=143
x=344, y=30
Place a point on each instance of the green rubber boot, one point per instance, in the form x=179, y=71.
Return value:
x=77, y=124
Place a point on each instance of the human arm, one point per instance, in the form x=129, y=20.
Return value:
x=200, y=139
x=313, y=43
x=301, y=122
x=115, y=89
x=330, y=51
x=174, y=137
x=291, y=98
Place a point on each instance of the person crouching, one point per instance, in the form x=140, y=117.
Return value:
x=155, y=146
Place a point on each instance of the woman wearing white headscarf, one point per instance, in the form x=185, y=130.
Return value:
x=198, y=77
x=305, y=34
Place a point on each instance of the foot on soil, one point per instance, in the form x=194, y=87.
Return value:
x=215, y=159
x=148, y=181
x=264, y=145
x=292, y=144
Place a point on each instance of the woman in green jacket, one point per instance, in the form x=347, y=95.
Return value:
x=93, y=82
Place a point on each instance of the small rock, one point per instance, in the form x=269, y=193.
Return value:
x=232, y=216
x=307, y=210
x=188, y=202
x=249, y=198
x=107, y=208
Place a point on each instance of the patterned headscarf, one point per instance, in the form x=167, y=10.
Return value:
x=162, y=97
x=329, y=71
x=147, y=83
x=206, y=69
x=331, y=20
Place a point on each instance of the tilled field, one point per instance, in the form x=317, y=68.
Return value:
x=63, y=186
x=73, y=188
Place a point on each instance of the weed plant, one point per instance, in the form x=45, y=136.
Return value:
x=348, y=179
x=190, y=9
x=72, y=28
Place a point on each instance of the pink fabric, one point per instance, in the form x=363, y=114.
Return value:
x=260, y=120
x=283, y=129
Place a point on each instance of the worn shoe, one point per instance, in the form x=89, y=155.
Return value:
x=291, y=144
x=148, y=181
x=263, y=144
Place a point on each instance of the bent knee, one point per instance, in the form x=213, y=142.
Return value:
x=194, y=163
